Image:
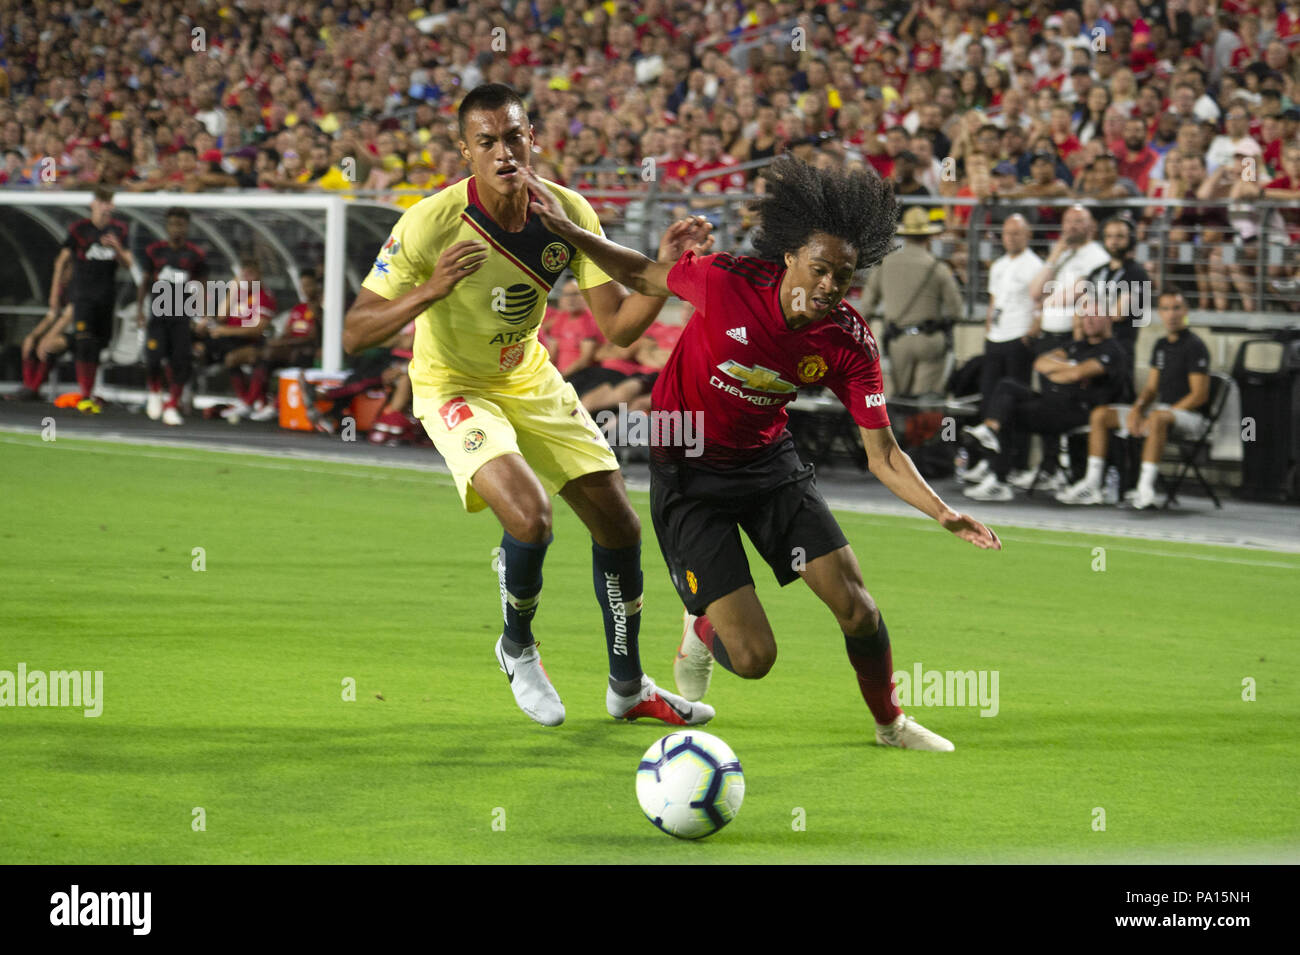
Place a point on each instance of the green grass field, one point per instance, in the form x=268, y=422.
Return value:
x=223, y=689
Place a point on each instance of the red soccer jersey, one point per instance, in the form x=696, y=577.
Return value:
x=734, y=181
x=262, y=307
x=302, y=321
x=740, y=364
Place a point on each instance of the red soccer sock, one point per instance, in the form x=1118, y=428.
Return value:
x=709, y=637
x=257, y=390
x=155, y=383
x=873, y=660
x=29, y=373
x=174, y=394
x=40, y=374
x=86, y=377
x=239, y=382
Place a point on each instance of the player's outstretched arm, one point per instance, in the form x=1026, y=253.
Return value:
x=373, y=319
x=624, y=265
x=897, y=472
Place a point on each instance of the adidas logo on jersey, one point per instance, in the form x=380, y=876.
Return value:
x=739, y=335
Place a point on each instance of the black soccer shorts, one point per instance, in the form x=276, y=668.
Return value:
x=92, y=321
x=698, y=514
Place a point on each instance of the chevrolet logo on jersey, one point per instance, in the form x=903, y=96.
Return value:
x=757, y=378
x=517, y=304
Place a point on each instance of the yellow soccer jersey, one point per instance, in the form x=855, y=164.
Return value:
x=483, y=336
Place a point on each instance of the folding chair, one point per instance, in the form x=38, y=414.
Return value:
x=1189, y=449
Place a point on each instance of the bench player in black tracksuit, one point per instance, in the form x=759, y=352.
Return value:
x=170, y=266
x=93, y=250
x=1090, y=371
x=1173, y=399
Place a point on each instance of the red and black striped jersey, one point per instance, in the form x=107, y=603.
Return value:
x=94, y=263
x=164, y=262
x=740, y=363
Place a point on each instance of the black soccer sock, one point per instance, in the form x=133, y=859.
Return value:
x=617, y=577
x=519, y=568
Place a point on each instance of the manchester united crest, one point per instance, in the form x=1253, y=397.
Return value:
x=811, y=368
x=555, y=257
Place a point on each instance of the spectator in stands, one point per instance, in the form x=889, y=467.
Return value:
x=1229, y=181
x=1100, y=181
x=1085, y=373
x=1010, y=315
x=1172, y=401
x=1138, y=158
x=571, y=337
x=919, y=294
x=1075, y=254
x=1234, y=140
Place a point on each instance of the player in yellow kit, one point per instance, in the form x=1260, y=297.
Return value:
x=473, y=268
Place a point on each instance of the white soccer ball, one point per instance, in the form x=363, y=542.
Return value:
x=690, y=784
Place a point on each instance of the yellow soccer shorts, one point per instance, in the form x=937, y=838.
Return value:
x=544, y=422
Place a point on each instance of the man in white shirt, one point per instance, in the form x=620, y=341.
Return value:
x=1011, y=309
x=1010, y=316
x=1075, y=254
x=1234, y=140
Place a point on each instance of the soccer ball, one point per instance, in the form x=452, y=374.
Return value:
x=690, y=784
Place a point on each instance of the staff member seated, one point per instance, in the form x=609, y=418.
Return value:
x=1092, y=370
x=1173, y=399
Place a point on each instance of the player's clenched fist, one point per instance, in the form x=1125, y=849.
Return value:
x=458, y=261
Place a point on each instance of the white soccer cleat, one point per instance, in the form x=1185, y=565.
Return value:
x=907, y=733
x=235, y=412
x=171, y=416
x=530, y=685
x=264, y=411
x=1144, y=499
x=1050, y=483
x=990, y=489
x=153, y=406
x=653, y=703
x=976, y=474
x=985, y=435
x=693, y=667
x=1081, y=493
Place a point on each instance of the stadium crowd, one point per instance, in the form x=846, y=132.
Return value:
x=986, y=99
